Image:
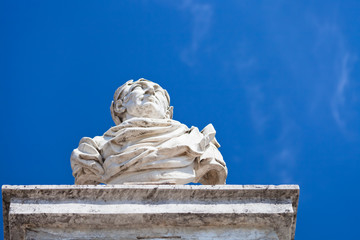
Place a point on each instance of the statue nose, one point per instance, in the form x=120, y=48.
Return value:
x=149, y=90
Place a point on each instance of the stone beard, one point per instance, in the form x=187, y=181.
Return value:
x=146, y=146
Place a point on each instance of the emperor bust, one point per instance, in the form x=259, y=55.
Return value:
x=146, y=146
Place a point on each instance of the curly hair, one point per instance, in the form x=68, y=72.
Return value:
x=120, y=96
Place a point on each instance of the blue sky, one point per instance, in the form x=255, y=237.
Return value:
x=279, y=80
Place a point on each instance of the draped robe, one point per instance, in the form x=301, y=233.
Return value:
x=145, y=151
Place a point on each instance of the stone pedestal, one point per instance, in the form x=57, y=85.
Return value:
x=150, y=212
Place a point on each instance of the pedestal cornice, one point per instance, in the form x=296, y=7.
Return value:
x=55, y=211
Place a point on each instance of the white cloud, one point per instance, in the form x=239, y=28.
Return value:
x=339, y=99
x=287, y=145
x=330, y=35
x=265, y=110
x=256, y=100
x=201, y=18
x=283, y=164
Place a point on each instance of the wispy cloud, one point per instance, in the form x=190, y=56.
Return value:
x=283, y=164
x=201, y=18
x=339, y=99
x=256, y=101
x=284, y=156
x=268, y=113
x=330, y=35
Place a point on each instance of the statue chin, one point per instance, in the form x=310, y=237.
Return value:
x=147, y=110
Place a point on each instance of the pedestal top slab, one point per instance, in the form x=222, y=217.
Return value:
x=69, y=211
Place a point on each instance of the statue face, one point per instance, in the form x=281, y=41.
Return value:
x=146, y=99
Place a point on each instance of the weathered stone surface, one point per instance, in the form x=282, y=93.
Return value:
x=150, y=212
x=201, y=233
x=147, y=146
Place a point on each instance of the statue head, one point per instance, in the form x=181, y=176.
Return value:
x=141, y=98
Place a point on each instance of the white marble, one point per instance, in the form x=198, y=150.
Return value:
x=249, y=212
x=146, y=146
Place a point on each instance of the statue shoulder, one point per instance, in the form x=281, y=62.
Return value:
x=86, y=161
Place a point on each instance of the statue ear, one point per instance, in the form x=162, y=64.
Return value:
x=169, y=112
x=113, y=114
x=118, y=107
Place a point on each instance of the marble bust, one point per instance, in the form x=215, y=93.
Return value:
x=146, y=146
